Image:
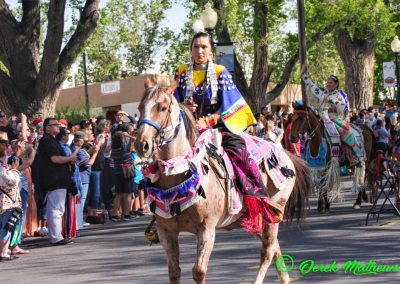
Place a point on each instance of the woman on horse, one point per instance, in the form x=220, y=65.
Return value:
x=208, y=91
x=338, y=102
x=335, y=107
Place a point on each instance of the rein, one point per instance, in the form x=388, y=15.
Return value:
x=295, y=117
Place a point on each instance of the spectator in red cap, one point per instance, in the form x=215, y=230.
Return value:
x=36, y=121
x=63, y=123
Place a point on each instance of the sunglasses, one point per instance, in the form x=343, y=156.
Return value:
x=4, y=141
x=2, y=115
x=54, y=124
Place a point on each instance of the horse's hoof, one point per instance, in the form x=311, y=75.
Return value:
x=356, y=206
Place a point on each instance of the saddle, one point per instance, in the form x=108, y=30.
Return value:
x=208, y=152
x=349, y=137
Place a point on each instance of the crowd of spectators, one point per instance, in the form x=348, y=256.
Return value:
x=383, y=120
x=59, y=176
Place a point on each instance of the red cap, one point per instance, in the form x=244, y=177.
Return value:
x=36, y=121
x=63, y=122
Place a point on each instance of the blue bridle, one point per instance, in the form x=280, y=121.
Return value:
x=149, y=122
x=161, y=130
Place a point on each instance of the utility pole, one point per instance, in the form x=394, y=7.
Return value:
x=302, y=46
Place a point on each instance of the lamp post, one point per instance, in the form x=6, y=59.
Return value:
x=87, y=108
x=302, y=46
x=209, y=18
x=395, y=45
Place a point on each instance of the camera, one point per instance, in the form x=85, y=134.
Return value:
x=12, y=159
x=15, y=216
x=86, y=146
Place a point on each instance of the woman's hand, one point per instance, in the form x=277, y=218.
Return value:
x=202, y=123
x=191, y=106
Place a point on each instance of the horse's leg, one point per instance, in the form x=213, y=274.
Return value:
x=320, y=202
x=283, y=275
x=205, y=244
x=269, y=248
x=357, y=204
x=327, y=203
x=169, y=241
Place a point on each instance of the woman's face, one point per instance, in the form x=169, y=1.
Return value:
x=79, y=142
x=331, y=85
x=201, y=50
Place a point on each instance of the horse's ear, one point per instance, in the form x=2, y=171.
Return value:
x=172, y=88
x=148, y=83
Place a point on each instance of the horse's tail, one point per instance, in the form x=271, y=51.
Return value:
x=303, y=186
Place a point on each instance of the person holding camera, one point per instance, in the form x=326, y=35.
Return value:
x=72, y=192
x=120, y=117
x=274, y=134
x=87, y=154
x=10, y=199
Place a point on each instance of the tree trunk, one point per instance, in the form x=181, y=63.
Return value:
x=33, y=84
x=261, y=70
x=358, y=56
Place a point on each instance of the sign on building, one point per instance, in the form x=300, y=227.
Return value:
x=389, y=74
x=110, y=88
x=225, y=56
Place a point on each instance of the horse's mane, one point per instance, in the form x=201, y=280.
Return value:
x=191, y=131
x=308, y=110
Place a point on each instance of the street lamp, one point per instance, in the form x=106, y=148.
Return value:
x=209, y=18
x=395, y=45
x=87, y=108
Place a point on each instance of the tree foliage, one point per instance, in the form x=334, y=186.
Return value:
x=127, y=40
x=361, y=31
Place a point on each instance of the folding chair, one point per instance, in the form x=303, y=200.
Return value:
x=387, y=184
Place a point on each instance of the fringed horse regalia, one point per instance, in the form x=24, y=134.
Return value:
x=195, y=185
x=332, y=142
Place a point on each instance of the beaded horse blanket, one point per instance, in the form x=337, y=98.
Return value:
x=350, y=135
x=168, y=202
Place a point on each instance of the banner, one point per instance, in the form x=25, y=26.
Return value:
x=389, y=74
x=225, y=56
x=110, y=88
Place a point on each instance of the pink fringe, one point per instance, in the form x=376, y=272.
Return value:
x=258, y=214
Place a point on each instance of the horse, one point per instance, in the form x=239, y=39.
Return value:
x=305, y=120
x=167, y=129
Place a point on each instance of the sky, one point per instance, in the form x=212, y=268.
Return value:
x=174, y=19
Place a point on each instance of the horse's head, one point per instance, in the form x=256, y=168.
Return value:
x=300, y=123
x=158, y=110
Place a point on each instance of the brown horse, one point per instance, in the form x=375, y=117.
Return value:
x=159, y=138
x=307, y=121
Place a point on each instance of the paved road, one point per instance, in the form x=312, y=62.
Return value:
x=119, y=253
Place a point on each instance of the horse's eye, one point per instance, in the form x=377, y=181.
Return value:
x=163, y=109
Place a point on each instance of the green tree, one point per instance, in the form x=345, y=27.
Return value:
x=127, y=39
x=262, y=52
x=360, y=26
x=36, y=63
